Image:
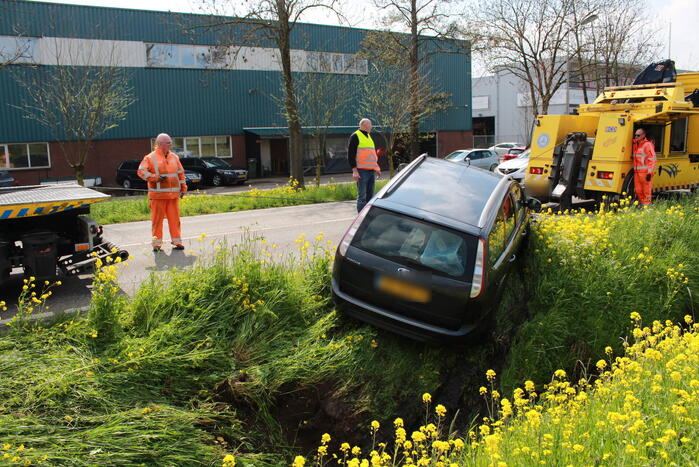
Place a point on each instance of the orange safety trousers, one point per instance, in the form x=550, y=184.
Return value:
x=642, y=187
x=159, y=210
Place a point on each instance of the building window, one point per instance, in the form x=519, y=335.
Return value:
x=17, y=49
x=187, y=56
x=200, y=146
x=24, y=156
x=328, y=62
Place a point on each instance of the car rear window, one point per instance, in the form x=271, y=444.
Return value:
x=412, y=242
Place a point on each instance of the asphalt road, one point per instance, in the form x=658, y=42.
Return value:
x=279, y=226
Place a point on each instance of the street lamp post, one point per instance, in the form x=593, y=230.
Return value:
x=587, y=20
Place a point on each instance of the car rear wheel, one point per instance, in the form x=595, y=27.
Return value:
x=216, y=180
x=126, y=184
x=492, y=167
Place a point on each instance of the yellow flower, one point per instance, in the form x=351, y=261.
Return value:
x=299, y=461
x=229, y=461
x=375, y=425
x=490, y=375
x=440, y=410
x=427, y=398
x=325, y=439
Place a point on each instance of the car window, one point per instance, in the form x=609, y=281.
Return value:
x=216, y=162
x=409, y=241
x=456, y=156
x=502, y=230
x=475, y=155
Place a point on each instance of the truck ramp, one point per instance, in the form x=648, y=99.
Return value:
x=40, y=200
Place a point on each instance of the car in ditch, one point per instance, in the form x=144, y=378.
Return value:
x=429, y=254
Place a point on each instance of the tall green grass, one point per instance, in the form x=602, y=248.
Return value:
x=119, y=210
x=203, y=362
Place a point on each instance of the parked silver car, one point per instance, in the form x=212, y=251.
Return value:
x=481, y=158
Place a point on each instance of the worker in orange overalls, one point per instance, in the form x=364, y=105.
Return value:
x=643, y=166
x=166, y=185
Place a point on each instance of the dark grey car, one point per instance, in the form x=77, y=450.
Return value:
x=428, y=255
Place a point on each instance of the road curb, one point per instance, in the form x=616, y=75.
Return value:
x=46, y=315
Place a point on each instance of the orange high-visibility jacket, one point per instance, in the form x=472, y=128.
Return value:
x=644, y=157
x=156, y=164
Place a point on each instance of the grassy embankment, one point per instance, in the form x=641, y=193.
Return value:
x=119, y=210
x=246, y=356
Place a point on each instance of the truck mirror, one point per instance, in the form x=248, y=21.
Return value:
x=534, y=204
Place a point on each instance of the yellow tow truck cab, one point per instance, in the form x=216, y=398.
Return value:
x=589, y=155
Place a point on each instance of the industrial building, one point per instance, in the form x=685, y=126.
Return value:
x=212, y=98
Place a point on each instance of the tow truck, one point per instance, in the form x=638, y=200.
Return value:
x=45, y=229
x=588, y=155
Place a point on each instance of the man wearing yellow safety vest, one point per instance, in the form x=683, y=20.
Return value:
x=361, y=155
x=166, y=185
x=643, y=166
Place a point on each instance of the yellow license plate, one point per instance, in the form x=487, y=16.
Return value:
x=404, y=290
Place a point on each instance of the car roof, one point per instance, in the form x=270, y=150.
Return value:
x=440, y=191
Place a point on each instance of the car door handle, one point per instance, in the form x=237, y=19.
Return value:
x=514, y=257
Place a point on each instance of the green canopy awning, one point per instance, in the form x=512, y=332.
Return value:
x=270, y=132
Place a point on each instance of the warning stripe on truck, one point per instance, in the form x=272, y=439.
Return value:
x=41, y=209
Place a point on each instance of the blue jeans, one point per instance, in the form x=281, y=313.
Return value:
x=365, y=187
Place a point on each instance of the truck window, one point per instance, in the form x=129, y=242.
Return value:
x=678, y=135
x=655, y=134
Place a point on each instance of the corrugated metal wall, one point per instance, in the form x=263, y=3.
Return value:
x=193, y=101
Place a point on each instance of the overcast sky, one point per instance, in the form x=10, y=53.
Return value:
x=682, y=15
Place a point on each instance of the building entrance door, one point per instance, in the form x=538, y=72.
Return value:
x=279, y=154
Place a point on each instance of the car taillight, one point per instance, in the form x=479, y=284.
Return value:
x=605, y=175
x=349, y=235
x=15, y=182
x=478, y=270
x=536, y=170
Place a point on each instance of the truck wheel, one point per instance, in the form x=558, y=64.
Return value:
x=627, y=187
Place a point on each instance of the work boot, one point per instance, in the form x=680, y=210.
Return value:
x=178, y=246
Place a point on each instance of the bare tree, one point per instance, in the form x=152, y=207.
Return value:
x=323, y=99
x=423, y=22
x=82, y=95
x=15, y=49
x=613, y=49
x=385, y=101
x=259, y=22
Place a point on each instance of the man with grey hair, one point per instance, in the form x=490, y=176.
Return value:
x=361, y=155
x=166, y=185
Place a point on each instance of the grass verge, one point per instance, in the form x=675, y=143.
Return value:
x=119, y=210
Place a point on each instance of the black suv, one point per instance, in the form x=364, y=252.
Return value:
x=214, y=170
x=428, y=255
x=127, y=176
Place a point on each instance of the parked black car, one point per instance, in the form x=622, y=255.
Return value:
x=128, y=178
x=214, y=170
x=428, y=255
x=6, y=179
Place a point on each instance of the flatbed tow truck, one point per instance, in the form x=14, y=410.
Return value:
x=44, y=229
x=588, y=155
